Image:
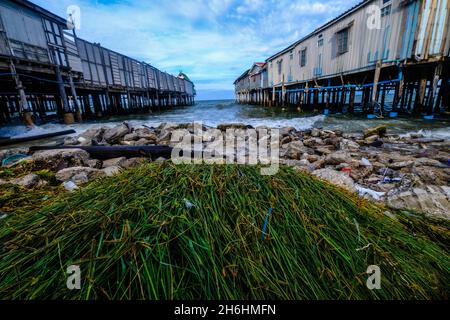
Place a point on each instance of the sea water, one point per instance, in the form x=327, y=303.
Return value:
x=213, y=113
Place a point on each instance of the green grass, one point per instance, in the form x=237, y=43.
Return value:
x=134, y=237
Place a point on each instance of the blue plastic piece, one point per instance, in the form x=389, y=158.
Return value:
x=266, y=222
x=393, y=114
x=326, y=112
x=371, y=116
x=428, y=117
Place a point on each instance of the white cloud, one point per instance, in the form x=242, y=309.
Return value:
x=213, y=41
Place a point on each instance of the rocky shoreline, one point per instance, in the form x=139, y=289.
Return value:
x=411, y=173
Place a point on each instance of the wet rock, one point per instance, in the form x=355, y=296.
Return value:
x=315, y=132
x=379, y=131
x=60, y=159
x=114, y=135
x=111, y=171
x=29, y=181
x=116, y=162
x=338, y=178
x=432, y=175
x=92, y=137
x=79, y=175
x=370, y=140
x=225, y=126
x=285, y=131
x=431, y=200
x=337, y=158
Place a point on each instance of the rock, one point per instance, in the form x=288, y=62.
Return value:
x=348, y=145
x=161, y=159
x=416, y=135
x=111, y=171
x=115, y=134
x=79, y=175
x=60, y=159
x=313, y=142
x=143, y=142
x=295, y=150
x=164, y=137
x=315, y=132
x=133, y=162
x=432, y=175
x=131, y=137
x=428, y=162
x=94, y=163
x=370, y=140
x=71, y=141
x=379, y=131
x=12, y=152
x=338, y=178
x=401, y=164
x=431, y=200
x=92, y=136
x=116, y=162
x=285, y=131
x=2, y=182
x=323, y=150
x=29, y=181
x=225, y=126
x=167, y=126
x=337, y=158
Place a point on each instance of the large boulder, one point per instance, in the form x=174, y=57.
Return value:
x=431, y=200
x=29, y=181
x=295, y=150
x=60, y=159
x=79, y=175
x=114, y=135
x=340, y=179
x=338, y=158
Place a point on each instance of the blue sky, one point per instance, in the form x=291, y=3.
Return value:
x=212, y=41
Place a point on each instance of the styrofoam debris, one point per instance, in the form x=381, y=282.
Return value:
x=70, y=186
x=364, y=192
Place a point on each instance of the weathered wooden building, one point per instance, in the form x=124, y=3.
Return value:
x=46, y=70
x=376, y=51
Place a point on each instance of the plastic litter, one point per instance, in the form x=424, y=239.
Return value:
x=266, y=223
x=188, y=204
x=364, y=248
x=3, y=216
x=370, y=193
x=70, y=186
x=393, y=114
x=391, y=180
x=14, y=158
x=365, y=162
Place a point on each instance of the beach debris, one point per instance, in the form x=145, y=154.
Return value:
x=70, y=186
x=188, y=204
x=11, y=160
x=369, y=193
x=365, y=162
x=266, y=224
